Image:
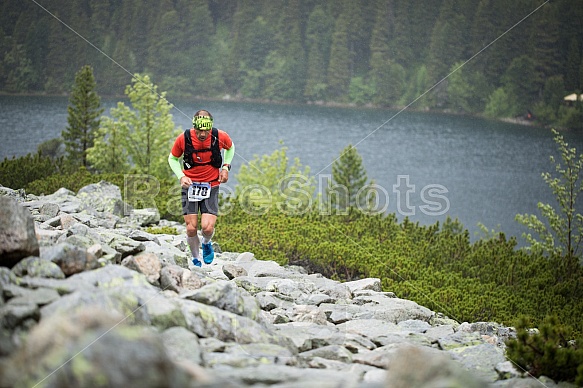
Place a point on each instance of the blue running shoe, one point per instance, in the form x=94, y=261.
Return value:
x=208, y=253
x=196, y=262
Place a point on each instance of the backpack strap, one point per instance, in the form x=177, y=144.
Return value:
x=190, y=151
x=216, y=158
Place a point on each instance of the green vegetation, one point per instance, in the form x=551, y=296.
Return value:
x=83, y=117
x=136, y=139
x=435, y=265
x=549, y=351
x=274, y=215
x=349, y=189
x=161, y=230
x=269, y=182
x=564, y=234
x=386, y=53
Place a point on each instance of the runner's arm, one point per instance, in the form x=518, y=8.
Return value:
x=229, y=154
x=174, y=163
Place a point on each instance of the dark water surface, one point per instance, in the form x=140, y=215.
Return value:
x=427, y=166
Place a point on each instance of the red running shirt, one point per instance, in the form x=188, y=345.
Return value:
x=205, y=173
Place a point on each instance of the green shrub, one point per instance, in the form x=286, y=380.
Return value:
x=162, y=230
x=551, y=351
x=437, y=265
x=16, y=173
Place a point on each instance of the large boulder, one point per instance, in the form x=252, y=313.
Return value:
x=93, y=347
x=17, y=236
x=104, y=197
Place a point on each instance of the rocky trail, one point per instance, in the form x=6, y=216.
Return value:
x=89, y=298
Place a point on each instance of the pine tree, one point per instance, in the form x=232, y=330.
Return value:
x=572, y=78
x=349, y=181
x=318, y=37
x=83, y=119
x=546, y=34
x=388, y=88
x=448, y=41
x=339, y=65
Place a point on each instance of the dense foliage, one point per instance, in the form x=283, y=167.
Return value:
x=136, y=138
x=436, y=265
x=549, y=351
x=525, y=55
x=19, y=172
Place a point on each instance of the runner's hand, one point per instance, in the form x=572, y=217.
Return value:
x=185, y=182
x=223, y=176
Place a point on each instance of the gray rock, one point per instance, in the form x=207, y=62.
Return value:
x=287, y=376
x=414, y=325
x=209, y=321
x=12, y=315
x=436, y=332
x=94, y=345
x=71, y=259
x=306, y=336
x=38, y=267
x=373, y=329
x=17, y=234
x=226, y=296
x=171, y=278
x=258, y=353
x=38, y=296
x=480, y=359
x=145, y=217
x=373, y=284
x=7, y=277
x=104, y=197
x=271, y=300
x=507, y=370
x=50, y=209
x=145, y=263
x=182, y=344
x=307, y=313
x=124, y=245
x=236, y=322
x=424, y=367
x=232, y=271
x=330, y=352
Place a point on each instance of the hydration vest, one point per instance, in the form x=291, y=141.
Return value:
x=191, y=153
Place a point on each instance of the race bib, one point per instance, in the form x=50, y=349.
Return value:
x=199, y=191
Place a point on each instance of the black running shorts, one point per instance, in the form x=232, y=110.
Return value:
x=206, y=206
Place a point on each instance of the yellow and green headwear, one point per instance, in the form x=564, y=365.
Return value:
x=203, y=123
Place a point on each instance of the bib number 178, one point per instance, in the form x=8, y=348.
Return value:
x=199, y=191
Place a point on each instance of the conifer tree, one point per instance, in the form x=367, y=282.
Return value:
x=318, y=37
x=83, y=119
x=572, y=79
x=339, y=65
x=349, y=182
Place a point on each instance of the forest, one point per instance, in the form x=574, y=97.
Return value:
x=491, y=57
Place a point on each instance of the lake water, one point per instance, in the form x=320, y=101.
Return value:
x=427, y=166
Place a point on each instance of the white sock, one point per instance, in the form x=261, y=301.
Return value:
x=194, y=244
x=205, y=239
